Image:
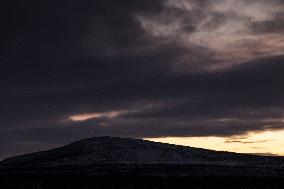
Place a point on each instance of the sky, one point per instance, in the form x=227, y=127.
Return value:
x=191, y=72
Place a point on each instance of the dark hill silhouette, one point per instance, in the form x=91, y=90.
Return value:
x=92, y=155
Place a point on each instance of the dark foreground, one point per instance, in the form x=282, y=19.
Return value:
x=143, y=182
x=140, y=176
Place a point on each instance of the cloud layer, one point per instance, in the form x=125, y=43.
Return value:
x=148, y=68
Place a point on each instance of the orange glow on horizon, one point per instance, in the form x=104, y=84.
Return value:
x=267, y=142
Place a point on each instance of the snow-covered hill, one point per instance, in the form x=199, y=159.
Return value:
x=111, y=162
x=104, y=150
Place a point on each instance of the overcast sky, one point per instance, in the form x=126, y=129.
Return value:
x=146, y=68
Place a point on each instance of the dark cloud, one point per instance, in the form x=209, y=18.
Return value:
x=274, y=25
x=246, y=142
x=142, y=60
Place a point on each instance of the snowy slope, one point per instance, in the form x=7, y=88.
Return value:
x=106, y=150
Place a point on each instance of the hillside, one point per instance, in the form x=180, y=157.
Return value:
x=108, y=155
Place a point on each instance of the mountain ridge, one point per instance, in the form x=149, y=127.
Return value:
x=111, y=148
x=108, y=155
